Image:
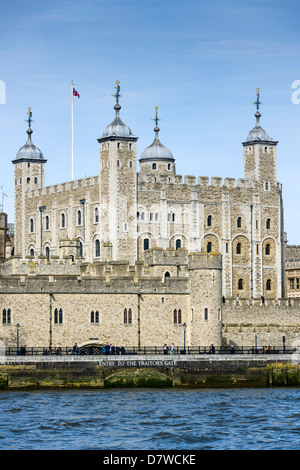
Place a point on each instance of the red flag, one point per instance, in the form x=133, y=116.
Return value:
x=75, y=93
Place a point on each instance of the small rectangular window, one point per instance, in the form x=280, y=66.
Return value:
x=206, y=314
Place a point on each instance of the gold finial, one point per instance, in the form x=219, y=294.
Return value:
x=29, y=120
x=257, y=102
x=117, y=94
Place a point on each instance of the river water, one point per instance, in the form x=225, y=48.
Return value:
x=136, y=419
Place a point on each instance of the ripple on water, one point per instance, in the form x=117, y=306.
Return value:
x=151, y=419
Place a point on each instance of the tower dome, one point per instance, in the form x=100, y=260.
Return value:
x=117, y=128
x=29, y=151
x=258, y=134
x=156, y=151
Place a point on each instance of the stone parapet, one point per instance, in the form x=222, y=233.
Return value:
x=199, y=260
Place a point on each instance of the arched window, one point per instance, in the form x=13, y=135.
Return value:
x=80, y=250
x=58, y=316
x=78, y=217
x=130, y=316
x=208, y=249
x=268, y=249
x=63, y=220
x=96, y=215
x=179, y=316
x=47, y=252
x=6, y=316
x=239, y=222
x=167, y=275
x=238, y=248
x=175, y=316
x=31, y=252
x=153, y=166
x=97, y=248
x=240, y=284
x=31, y=226
x=125, y=315
x=268, y=224
x=268, y=284
x=173, y=217
x=94, y=316
x=178, y=244
x=47, y=222
x=169, y=166
x=146, y=244
x=209, y=221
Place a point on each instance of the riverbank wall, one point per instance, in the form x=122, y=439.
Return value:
x=100, y=372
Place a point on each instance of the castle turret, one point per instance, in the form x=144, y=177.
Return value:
x=205, y=273
x=260, y=153
x=266, y=220
x=157, y=159
x=118, y=189
x=29, y=174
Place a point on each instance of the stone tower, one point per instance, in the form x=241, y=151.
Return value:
x=260, y=154
x=267, y=230
x=29, y=174
x=118, y=190
x=205, y=274
x=157, y=165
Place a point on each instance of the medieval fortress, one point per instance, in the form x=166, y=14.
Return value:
x=130, y=257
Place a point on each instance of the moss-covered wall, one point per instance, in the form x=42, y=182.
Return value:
x=108, y=374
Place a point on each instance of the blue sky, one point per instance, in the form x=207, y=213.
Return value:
x=200, y=62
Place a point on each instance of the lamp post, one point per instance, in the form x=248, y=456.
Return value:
x=184, y=330
x=18, y=326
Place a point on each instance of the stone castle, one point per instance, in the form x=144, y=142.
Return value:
x=130, y=257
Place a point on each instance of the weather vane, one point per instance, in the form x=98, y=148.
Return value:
x=156, y=119
x=29, y=120
x=257, y=102
x=117, y=95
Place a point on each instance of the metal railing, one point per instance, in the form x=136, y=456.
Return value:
x=150, y=350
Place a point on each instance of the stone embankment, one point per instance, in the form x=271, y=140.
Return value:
x=99, y=372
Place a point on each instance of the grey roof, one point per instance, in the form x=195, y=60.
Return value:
x=156, y=151
x=29, y=151
x=117, y=126
x=258, y=134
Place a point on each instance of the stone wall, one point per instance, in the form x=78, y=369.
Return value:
x=268, y=321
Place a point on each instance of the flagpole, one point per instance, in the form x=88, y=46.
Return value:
x=72, y=93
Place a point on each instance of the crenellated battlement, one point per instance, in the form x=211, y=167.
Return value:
x=258, y=302
x=68, y=186
x=201, y=260
x=201, y=181
x=169, y=256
